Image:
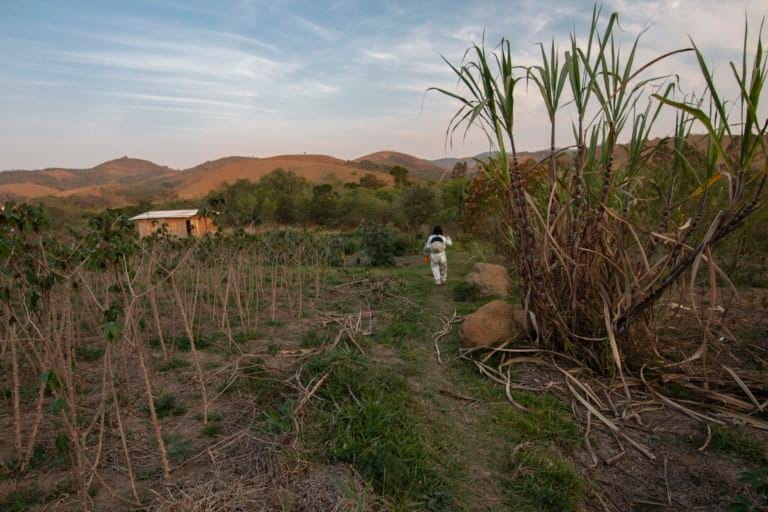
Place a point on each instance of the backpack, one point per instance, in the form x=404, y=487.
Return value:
x=437, y=244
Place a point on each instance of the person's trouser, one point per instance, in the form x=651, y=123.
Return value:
x=439, y=263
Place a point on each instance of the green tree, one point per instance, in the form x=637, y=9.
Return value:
x=370, y=180
x=400, y=174
x=324, y=204
x=420, y=205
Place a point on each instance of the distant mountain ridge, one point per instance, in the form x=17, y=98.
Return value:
x=125, y=180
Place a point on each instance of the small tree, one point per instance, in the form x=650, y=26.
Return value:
x=370, y=180
x=420, y=205
x=400, y=174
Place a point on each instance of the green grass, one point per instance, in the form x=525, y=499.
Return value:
x=89, y=354
x=168, y=405
x=178, y=448
x=465, y=292
x=544, y=483
x=202, y=342
x=174, y=363
x=546, y=419
x=366, y=418
x=22, y=500
x=254, y=379
x=212, y=430
x=315, y=338
x=730, y=441
x=399, y=333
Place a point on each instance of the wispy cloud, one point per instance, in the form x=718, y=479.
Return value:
x=342, y=77
x=316, y=29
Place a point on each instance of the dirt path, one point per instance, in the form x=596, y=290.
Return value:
x=456, y=405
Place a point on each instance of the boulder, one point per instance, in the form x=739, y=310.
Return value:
x=493, y=323
x=492, y=280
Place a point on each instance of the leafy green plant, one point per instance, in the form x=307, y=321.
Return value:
x=179, y=449
x=168, y=405
x=381, y=244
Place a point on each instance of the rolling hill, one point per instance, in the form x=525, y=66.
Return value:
x=127, y=181
x=418, y=167
x=200, y=180
x=131, y=174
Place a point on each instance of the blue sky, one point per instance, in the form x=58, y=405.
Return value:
x=180, y=82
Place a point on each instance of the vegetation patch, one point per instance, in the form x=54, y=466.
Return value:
x=174, y=363
x=546, y=419
x=730, y=441
x=168, y=405
x=544, y=483
x=366, y=418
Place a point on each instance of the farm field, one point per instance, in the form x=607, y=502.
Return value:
x=279, y=333
x=284, y=376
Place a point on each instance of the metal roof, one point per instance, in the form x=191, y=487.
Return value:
x=166, y=214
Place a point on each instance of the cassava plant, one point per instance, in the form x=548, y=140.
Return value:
x=613, y=227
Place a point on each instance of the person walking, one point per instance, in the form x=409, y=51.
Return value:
x=435, y=248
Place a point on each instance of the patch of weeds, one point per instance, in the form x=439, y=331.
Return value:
x=464, y=291
x=273, y=348
x=167, y=405
x=244, y=337
x=315, y=338
x=274, y=323
x=149, y=474
x=728, y=440
x=178, y=448
x=89, y=354
x=546, y=483
x=757, y=480
x=202, y=342
x=475, y=385
x=174, y=363
x=677, y=390
x=254, y=379
x=547, y=419
x=278, y=419
x=22, y=500
x=366, y=418
x=398, y=332
x=212, y=429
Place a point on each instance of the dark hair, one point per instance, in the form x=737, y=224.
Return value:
x=437, y=231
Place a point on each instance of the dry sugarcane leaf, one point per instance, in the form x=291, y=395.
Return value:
x=744, y=387
x=743, y=418
x=608, y=423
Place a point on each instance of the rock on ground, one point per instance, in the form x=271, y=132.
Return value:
x=492, y=279
x=493, y=323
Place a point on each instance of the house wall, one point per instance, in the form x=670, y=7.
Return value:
x=176, y=227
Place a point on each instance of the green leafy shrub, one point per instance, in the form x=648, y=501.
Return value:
x=167, y=405
x=381, y=244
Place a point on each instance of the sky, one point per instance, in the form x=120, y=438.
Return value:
x=180, y=82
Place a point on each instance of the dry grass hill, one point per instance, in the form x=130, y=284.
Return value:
x=418, y=167
x=129, y=180
x=200, y=180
